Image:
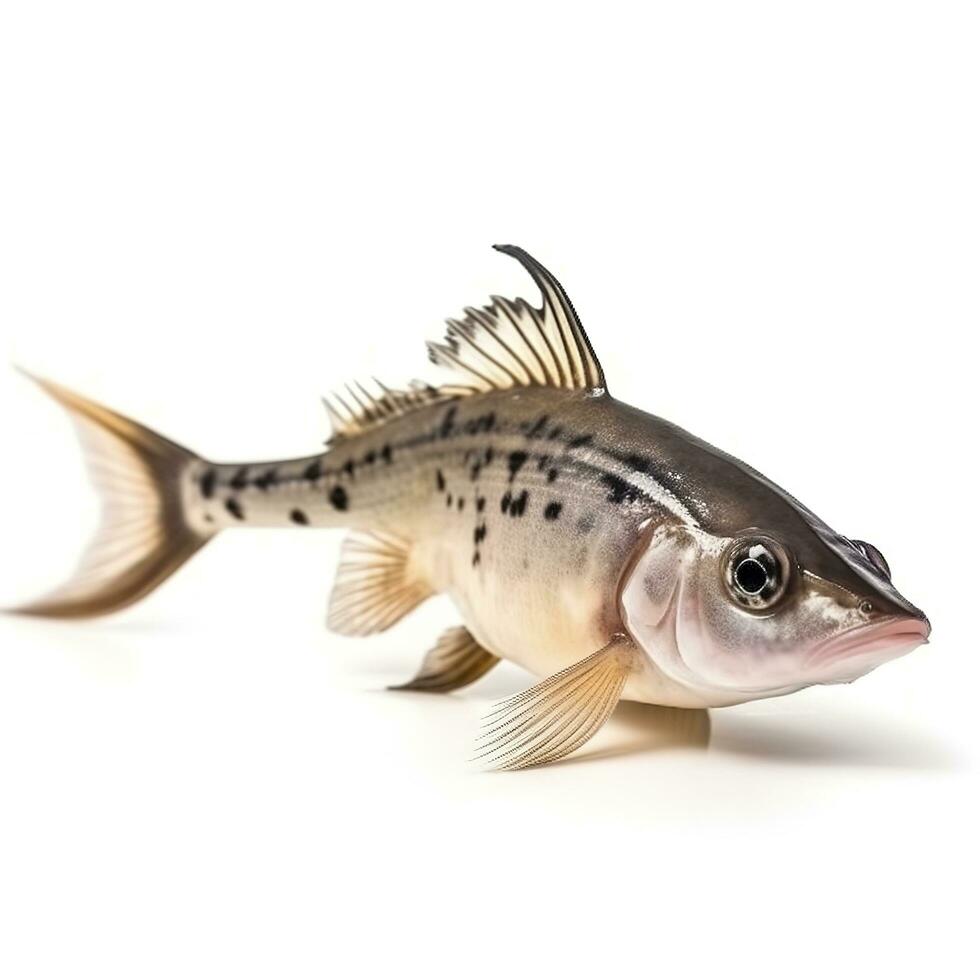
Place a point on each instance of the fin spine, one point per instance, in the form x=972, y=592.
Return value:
x=507, y=344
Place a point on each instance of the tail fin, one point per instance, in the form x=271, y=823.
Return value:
x=144, y=535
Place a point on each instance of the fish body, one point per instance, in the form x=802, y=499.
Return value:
x=602, y=548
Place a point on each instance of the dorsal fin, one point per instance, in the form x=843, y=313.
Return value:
x=358, y=410
x=508, y=344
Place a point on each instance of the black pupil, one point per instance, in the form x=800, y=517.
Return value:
x=751, y=576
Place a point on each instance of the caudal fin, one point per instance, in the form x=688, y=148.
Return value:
x=144, y=535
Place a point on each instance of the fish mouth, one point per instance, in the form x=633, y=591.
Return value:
x=880, y=641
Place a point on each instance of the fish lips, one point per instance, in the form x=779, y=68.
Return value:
x=862, y=648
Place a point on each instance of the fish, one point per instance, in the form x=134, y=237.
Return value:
x=606, y=550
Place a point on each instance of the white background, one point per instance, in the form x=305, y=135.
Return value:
x=766, y=215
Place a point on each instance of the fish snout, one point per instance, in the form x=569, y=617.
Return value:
x=874, y=643
x=894, y=609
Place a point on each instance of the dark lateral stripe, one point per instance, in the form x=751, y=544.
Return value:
x=621, y=473
x=619, y=489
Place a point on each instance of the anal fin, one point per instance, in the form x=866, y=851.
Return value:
x=455, y=661
x=376, y=584
x=557, y=716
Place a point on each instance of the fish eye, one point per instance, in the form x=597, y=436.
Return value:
x=751, y=576
x=756, y=571
x=874, y=556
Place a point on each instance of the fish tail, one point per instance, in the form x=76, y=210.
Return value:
x=145, y=534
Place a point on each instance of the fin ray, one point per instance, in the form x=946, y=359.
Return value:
x=506, y=344
x=375, y=586
x=454, y=662
x=558, y=715
x=143, y=536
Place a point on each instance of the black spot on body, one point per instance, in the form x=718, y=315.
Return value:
x=481, y=502
x=448, y=422
x=313, y=472
x=386, y=452
x=552, y=511
x=543, y=461
x=515, y=461
x=519, y=505
x=267, y=479
x=476, y=558
x=475, y=471
x=488, y=456
x=505, y=502
x=370, y=456
x=585, y=524
x=449, y=500
x=579, y=441
x=538, y=427
x=207, y=484
x=556, y=432
x=240, y=480
x=349, y=468
x=440, y=481
x=460, y=503
x=235, y=509
x=338, y=497
x=298, y=517
x=552, y=475
x=479, y=533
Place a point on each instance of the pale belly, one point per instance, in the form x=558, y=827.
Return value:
x=542, y=616
x=519, y=603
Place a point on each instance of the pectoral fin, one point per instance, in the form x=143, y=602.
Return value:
x=455, y=661
x=557, y=716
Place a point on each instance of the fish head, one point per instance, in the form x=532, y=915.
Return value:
x=763, y=612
